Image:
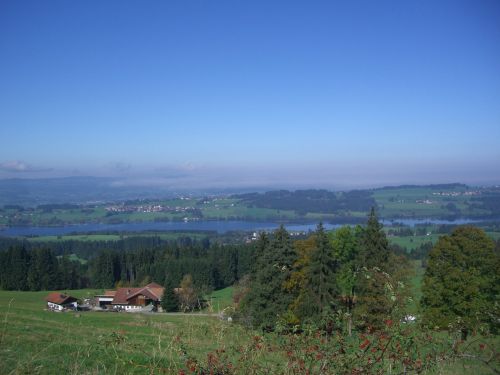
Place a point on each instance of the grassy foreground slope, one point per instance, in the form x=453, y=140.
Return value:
x=35, y=341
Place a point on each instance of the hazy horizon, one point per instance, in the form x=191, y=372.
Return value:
x=237, y=95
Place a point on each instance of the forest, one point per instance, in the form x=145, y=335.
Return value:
x=132, y=261
x=304, y=201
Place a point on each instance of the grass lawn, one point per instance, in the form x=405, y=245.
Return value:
x=415, y=283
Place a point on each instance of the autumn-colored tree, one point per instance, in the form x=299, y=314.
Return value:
x=188, y=296
x=296, y=284
x=319, y=291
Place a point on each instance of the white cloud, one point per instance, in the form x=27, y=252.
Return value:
x=18, y=166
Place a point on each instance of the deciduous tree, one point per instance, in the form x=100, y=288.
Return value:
x=461, y=284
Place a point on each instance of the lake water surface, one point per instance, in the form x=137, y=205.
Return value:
x=216, y=226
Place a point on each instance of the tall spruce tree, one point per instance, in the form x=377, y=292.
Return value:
x=372, y=304
x=320, y=290
x=374, y=251
x=170, y=300
x=261, y=247
x=268, y=298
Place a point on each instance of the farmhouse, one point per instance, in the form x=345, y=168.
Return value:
x=104, y=300
x=59, y=302
x=132, y=298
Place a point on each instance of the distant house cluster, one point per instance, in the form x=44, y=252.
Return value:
x=147, y=298
x=424, y=201
x=131, y=298
x=457, y=193
x=146, y=208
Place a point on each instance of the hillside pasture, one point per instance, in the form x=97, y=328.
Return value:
x=36, y=341
x=33, y=340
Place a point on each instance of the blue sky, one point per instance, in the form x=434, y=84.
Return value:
x=283, y=93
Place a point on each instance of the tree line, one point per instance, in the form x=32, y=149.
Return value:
x=212, y=267
x=39, y=269
x=303, y=201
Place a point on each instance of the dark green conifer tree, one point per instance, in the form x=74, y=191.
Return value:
x=374, y=251
x=320, y=291
x=17, y=265
x=345, y=243
x=34, y=278
x=48, y=268
x=170, y=300
x=372, y=304
x=268, y=299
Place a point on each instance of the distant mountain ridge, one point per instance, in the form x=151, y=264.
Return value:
x=453, y=185
x=32, y=192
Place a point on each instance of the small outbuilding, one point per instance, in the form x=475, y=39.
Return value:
x=58, y=302
x=104, y=300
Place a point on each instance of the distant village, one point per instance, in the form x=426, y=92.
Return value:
x=457, y=193
x=122, y=208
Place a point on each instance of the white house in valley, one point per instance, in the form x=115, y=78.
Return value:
x=58, y=302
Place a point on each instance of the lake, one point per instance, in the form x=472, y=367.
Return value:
x=214, y=226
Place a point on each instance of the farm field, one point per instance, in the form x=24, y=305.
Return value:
x=115, y=237
x=412, y=242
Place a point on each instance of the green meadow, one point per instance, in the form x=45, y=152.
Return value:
x=33, y=340
x=36, y=341
x=115, y=237
x=412, y=242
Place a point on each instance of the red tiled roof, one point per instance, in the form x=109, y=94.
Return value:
x=152, y=291
x=158, y=292
x=59, y=298
x=153, y=285
x=122, y=295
